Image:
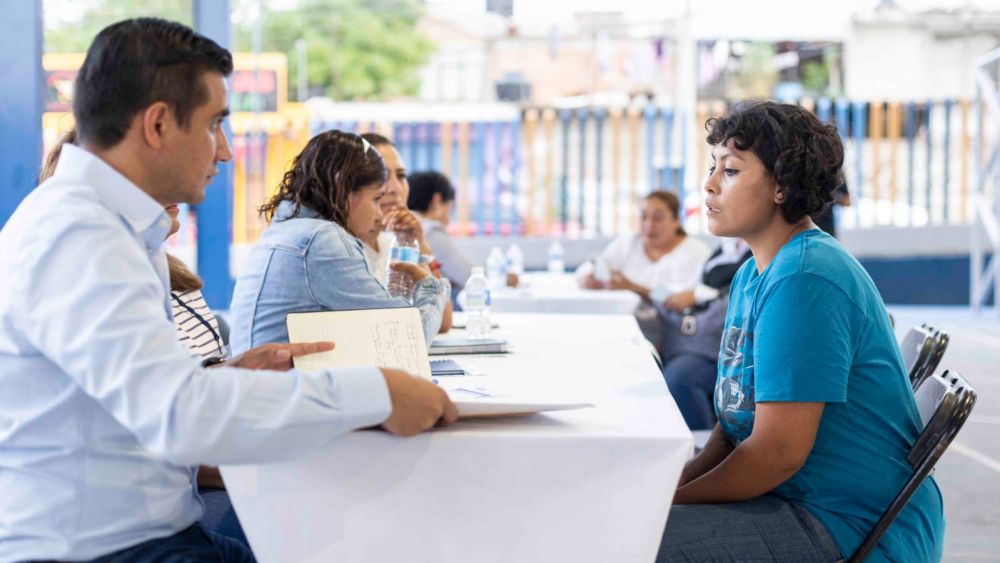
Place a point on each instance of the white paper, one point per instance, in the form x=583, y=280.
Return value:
x=389, y=338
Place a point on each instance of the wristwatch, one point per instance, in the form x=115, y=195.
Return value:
x=426, y=258
x=213, y=361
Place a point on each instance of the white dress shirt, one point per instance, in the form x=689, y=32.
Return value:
x=103, y=412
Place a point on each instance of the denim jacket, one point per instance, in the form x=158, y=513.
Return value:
x=307, y=263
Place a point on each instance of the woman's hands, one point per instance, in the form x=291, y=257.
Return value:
x=402, y=219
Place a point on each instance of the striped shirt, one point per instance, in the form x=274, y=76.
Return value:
x=196, y=325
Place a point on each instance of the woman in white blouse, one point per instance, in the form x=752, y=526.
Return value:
x=658, y=261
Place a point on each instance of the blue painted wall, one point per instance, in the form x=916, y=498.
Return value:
x=215, y=214
x=937, y=280
x=21, y=99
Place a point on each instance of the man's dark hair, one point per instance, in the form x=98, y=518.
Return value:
x=134, y=63
x=333, y=165
x=804, y=155
x=423, y=186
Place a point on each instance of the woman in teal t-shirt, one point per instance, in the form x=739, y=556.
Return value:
x=816, y=415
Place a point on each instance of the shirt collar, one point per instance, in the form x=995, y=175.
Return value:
x=142, y=213
x=287, y=208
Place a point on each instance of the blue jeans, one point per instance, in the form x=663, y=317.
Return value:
x=193, y=544
x=766, y=528
x=691, y=381
x=219, y=515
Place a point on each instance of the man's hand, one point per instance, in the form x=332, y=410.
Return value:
x=417, y=404
x=680, y=301
x=276, y=356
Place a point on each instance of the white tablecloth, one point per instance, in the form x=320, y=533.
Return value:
x=586, y=485
x=541, y=292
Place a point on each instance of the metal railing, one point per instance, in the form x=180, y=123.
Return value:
x=985, y=229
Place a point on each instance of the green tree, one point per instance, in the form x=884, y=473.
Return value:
x=356, y=50
x=757, y=75
x=70, y=28
x=815, y=78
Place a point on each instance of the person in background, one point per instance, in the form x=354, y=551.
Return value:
x=310, y=257
x=91, y=370
x=692, y=322
x=661, y=259
x=816, y=413
x=432, y=197
x=393, y=203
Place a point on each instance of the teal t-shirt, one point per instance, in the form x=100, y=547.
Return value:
x=812, y=328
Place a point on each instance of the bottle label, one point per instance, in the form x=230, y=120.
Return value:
x=404, y=254
x=477, y=300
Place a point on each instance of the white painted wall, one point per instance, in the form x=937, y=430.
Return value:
x=905, y=60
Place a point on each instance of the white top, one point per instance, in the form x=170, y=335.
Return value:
x=676, y=271
x=378, y=259
x=103, y=412
x=197, y=327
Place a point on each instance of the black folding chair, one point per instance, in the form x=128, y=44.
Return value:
x=940, y=345
x=923, y=348
x=944, y=401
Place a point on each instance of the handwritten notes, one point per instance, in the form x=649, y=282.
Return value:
x=391, y=338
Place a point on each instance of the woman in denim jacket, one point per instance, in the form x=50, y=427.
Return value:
x=310, y=258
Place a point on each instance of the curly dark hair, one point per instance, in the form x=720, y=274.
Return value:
x=804, y=155
x=333, y=165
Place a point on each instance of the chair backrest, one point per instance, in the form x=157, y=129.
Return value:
x=916, y=347
x=922, y=348
x=945, y=401
x=937, y=352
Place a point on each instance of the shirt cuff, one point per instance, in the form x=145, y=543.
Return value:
x=703, y=294
x=363, y=394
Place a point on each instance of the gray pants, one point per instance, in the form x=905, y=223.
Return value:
x=763, y=529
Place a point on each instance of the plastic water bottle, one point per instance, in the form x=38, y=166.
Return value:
x=477, y=305
x=496, y=268
x=557, y=264
x=404, y=248
x=515, y=260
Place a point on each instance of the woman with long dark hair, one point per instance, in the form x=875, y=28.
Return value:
x=310, y=258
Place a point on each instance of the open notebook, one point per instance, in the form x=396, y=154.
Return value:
x=394, y=338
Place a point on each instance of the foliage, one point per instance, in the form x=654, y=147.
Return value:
x=70, y=27
x=355, y=50
x=757, y=75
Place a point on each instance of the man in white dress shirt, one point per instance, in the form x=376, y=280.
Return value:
x=104, y=414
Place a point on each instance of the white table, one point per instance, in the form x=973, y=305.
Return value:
x=587, y=485
x=541, y=292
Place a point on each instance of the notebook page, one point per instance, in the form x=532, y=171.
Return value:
x=391, y=338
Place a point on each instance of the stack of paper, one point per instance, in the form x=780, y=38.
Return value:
x=451, y=345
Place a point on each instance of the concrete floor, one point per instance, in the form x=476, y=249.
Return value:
x=969, y=472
